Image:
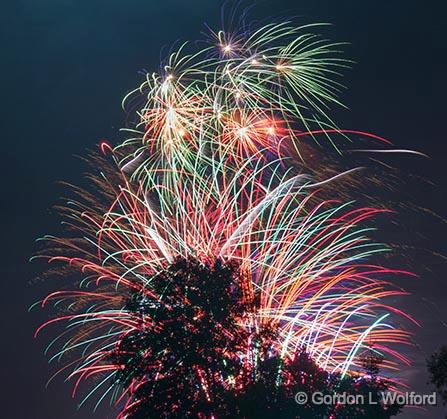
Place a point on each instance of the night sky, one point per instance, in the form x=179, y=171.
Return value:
x=65, y=66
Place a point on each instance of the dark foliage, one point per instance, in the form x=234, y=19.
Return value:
x=437, y=368
x=188, y=339
x=184, y=360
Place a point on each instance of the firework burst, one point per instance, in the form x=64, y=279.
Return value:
x=206, y=262
x=292, y=268
x=235, y=98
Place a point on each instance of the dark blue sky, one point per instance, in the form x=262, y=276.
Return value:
x=65, y=65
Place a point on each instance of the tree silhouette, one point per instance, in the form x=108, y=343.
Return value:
x=437, y=368
x=186, y=362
